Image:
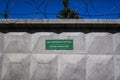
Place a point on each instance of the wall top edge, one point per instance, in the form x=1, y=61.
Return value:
x=60, y=21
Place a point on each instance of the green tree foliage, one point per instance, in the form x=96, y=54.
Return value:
x=65, y=3
x=67, y=13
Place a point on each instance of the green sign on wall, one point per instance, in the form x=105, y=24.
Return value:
x=63, y=44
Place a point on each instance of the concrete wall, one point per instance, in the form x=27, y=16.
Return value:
x=96, y=56
x=60, y=21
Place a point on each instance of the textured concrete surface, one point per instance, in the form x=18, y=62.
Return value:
x=100, y=67
x=116, y=38
x=17, y=42
x=16, y=67
x=78, y=42
x=99, y=43
x=38, y=42
x=117, y=67
x=42, y=68
x=96, y=56
x=72, y=67
x=1, y=42
x=1, y=62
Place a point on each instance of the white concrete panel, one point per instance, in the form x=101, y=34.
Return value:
x=1, y=42
x=99, y=43
x=16, y=67
x=100, y=67
x=71, y=67
x=1, y=63
x=17, y=42
x=117, y=67
x=38, y=42
x=44, y=67
x=78, y=42
x=116, y=38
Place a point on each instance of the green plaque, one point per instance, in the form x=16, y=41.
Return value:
x=59, y=44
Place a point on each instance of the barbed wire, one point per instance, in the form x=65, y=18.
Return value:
x=45, y=13
x=57, y=13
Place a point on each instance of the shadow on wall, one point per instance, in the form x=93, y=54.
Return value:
x=59, y=28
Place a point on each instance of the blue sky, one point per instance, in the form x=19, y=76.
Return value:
x=87, y=8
